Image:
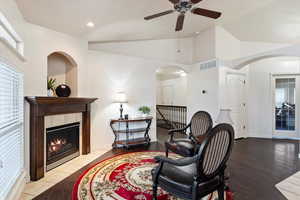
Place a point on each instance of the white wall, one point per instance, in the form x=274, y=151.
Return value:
x=110, y=74
x=163, y=50
x=227, y=46
x=260, y=93
x=199, y=80
x=204, y=46
x=192, y=50
x=180, y=90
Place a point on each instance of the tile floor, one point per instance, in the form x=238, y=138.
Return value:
x=56, y=175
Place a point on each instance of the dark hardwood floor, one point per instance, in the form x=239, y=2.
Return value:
x=256, y=165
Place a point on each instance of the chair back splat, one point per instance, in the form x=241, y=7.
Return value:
x=215, y=151
x=201, y=123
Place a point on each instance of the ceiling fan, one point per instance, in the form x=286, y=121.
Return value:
x=182, y=6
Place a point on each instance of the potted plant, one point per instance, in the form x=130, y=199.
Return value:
x=145, y=110
x=51, y=86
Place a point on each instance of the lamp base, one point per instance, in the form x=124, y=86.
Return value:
x=121, y=112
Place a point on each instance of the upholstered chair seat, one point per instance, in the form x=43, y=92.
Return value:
x=180, y=179
x=187, y=146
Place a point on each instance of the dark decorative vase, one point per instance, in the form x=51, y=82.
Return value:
x=63, y=90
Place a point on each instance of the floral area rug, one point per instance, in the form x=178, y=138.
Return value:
x=122, y=177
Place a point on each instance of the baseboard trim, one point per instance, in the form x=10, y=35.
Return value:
x=241, y=138
x=259, y=137
x=106, y=147
x=285, y=138
x=275, y=138
x=17, y=190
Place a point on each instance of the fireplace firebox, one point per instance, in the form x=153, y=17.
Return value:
x=62, y=144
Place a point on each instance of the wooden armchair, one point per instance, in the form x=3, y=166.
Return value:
x=198, y=128
x=195, y=177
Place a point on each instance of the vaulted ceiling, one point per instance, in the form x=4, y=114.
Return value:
x=120, y=20
x=278, y=21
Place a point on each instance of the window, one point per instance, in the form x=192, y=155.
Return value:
x=285, y=99
x=11, y=128
x=9, y=36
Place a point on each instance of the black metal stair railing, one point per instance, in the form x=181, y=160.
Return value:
x=171, y=117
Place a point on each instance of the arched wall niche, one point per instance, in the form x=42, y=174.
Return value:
x=63, y=68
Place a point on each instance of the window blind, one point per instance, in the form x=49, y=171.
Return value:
x=11, y=128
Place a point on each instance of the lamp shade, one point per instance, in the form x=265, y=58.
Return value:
x=224, y=117
x=121, y=98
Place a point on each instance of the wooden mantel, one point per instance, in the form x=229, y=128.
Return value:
x=44, y=106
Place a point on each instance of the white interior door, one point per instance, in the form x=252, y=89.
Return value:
x=285, y=106
x=236, y=101
x=168, y=94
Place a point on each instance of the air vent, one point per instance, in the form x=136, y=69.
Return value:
x=209, y=64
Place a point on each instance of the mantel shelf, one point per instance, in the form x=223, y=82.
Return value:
x=59, y=100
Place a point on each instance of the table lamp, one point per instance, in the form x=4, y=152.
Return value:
x=224, y=117
x=121, y=98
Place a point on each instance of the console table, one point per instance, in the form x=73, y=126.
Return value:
x=134, y=131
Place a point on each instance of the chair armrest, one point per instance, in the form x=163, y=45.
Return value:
x=177, y=162
x=180, y=130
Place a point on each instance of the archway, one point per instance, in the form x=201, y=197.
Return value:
x=63, y=69
x=289, y=51
x=171, y=99
x=273, y=93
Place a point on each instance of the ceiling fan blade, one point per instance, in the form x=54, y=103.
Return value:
x=180, y=21
x=206, y=13
x=195, y=1
x=174, y=1
x=159, y=14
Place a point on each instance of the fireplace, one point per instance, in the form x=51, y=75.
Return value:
x=62, y=144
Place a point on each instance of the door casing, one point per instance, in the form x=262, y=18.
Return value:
x=282, y=133
x=239, y=111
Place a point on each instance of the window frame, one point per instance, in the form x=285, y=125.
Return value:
x=7, y=27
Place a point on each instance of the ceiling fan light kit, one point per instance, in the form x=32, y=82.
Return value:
x=183, y=6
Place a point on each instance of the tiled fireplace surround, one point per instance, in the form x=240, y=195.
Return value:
x=59, y=120
x=56, y=175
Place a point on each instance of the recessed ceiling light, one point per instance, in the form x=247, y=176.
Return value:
x=90, y=24
x=197, y=32
x=183, y=74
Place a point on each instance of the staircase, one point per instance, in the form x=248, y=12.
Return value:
x=170, y=116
